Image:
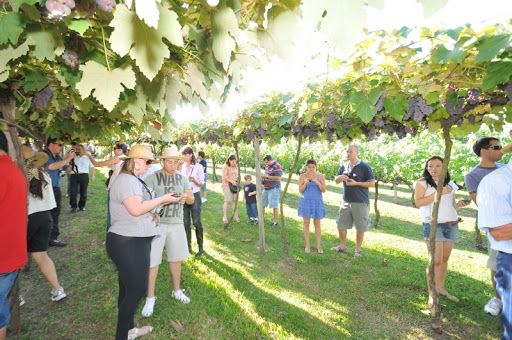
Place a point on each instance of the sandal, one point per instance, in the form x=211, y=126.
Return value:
x=358, y=253
x=138, y=332
x=338, y=249
x=320, y=250
x=307, y=250
x=225, y=220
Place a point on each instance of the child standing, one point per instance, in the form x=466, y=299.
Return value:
x=250, y=199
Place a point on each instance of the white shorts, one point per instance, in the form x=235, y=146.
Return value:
x=174, y=239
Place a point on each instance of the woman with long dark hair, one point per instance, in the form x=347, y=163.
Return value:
x=194, y=172
x=40, y=203
x=311, y=205
x=134, y=216
x=447, y=228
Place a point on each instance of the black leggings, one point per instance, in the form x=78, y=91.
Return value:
x=131, y=257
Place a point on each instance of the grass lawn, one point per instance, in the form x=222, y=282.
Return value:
x=239, y=294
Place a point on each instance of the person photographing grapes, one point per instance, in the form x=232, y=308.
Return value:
x=357, y=177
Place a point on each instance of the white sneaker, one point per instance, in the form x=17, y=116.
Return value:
x=58, y=295
x=203, y=200
x=21, y=300
x=493, y=306
x=147, y=311
x=180, y=296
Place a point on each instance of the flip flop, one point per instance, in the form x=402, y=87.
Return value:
x=138, y=332
x=338, y=249
x=449, y=296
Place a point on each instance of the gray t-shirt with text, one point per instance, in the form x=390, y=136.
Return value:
x=123, y=223
x=163, y=183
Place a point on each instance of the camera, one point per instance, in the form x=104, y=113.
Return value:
x=159, y=211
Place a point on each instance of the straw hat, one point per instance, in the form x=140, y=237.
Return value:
x=171, y=152
x=33, y=159
x=141, y=151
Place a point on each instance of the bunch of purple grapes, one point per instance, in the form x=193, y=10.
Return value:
x=106, y=5
x=473, y=96
x=454, y=107
x=42, y=98
x=310, y=131
x=508, y=89
x=59, y=9
x=67, y=111
x=71, y=59
x=418, y=109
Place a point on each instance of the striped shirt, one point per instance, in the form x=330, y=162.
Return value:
x=494, y=199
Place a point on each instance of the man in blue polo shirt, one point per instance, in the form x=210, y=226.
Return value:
x=357, y=177
x=272, y=185
x=55, y=165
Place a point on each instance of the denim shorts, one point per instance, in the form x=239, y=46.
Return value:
x=6, y=283
x=271, y=197
x=444, y=232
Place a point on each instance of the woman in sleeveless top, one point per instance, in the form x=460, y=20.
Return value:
x=447, y=228
x=311, y=206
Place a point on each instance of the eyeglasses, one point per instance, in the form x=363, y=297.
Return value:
x=494, y=147
x=148, y=162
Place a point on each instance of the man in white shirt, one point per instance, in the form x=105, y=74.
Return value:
x=79, y=178
x=494, y=201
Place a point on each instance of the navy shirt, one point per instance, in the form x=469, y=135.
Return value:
x=203, y=163
x=247, y=189
x=361, y=172
x=54, y=174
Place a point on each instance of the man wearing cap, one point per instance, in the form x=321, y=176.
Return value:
x=172, y=236
x=13, y=232
x=271, y=180
x=55, y=165
x=490, y=152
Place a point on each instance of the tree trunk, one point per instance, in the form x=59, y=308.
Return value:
x=291, y=171
x=436, y=307
x=261, y=222
x=7, y=112
x=376, y=220
x=395, y=191
x=214, y=174
x=478, y=235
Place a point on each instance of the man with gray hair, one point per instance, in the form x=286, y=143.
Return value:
x=357, y=177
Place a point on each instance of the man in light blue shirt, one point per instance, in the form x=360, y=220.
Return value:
x=494, y=201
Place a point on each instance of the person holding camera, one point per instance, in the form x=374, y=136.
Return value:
x=55, y=165
x=172, y=237
x=311, y=205
x=357, y=177
x=230, y=184
x=192, y=212
x=134, y=225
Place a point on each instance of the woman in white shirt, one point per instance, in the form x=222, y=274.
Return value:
x=40, y=203
x=447, y=228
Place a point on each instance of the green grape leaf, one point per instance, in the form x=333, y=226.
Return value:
x=11, y=27
x=8, y=54
x=363, y=107
x=441, y=55
x=137, y=106
x=16, y=4
x=491, y=46
x=396, y=107
x=34, y=81
x=44, y=44
x=71, y=77
x=147, y=11
x=496, y=73
x=222, y=47
x=432, y=97
x=107, y=90
x=80, y=26
x=144, y=43
x=286, y=120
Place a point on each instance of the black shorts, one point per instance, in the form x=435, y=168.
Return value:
x=38, y=232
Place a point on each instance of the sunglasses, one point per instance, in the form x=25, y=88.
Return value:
x=148, y=162
x=494, y=147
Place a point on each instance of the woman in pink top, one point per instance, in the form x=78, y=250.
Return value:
x=229, y=176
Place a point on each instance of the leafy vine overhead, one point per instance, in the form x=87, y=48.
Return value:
x=90, y=68
x=397, y=85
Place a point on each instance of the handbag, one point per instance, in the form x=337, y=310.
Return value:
x=233, y=188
